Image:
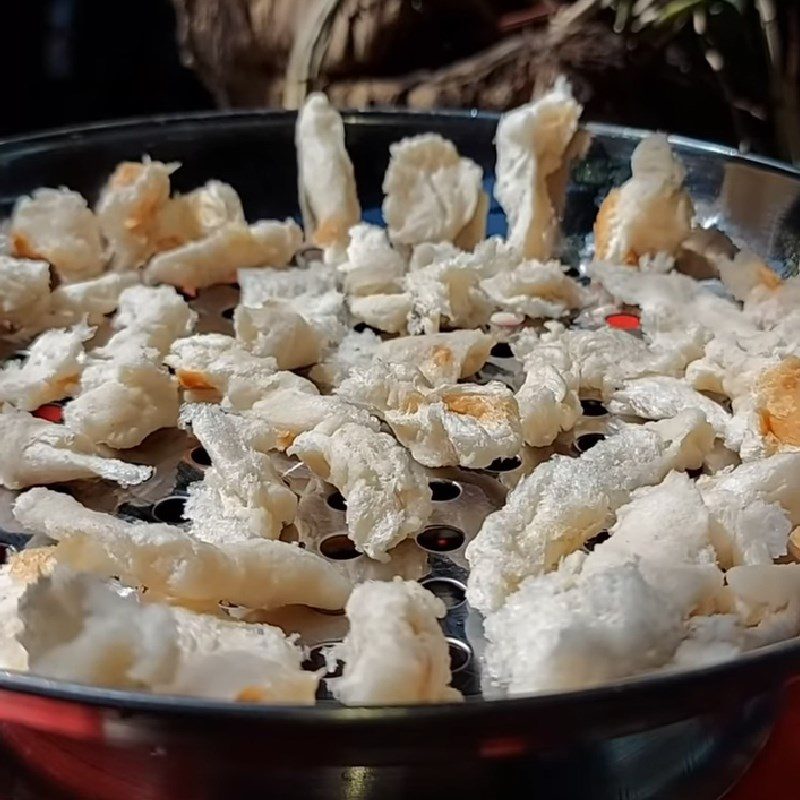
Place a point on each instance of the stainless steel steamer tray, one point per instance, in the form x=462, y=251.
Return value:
x=645, y=737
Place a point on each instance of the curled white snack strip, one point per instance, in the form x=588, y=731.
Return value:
x=326, y=181
x=56, y=225
x=566, y=501
x=24, y=294
x=16, y=574
x=532, y=143
x=432, y=194
x=77, y=628
x=37, y=451
x=241, y=494
x=129, y=208
x=257, y=285
x=387, y=493
x=51, y=370
x=258, y=573
x=395, y=651
x=650, y=213
x=234, y=246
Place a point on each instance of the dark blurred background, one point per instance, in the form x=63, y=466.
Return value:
x=725, y=70
x=67, y=61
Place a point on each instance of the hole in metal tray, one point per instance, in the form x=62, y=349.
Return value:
x=336, y=501
x=338, y=547
x=460, y=654
x=442, y=491
x=440, y=539
x=170, y=509
x=200, y=456
x=451, y=592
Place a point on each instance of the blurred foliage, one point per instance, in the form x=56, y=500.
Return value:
x=752, y=46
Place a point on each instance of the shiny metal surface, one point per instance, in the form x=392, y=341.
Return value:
x=611, y=733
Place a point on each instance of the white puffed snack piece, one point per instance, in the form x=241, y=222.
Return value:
x=258, y=285
x=565, y=501
x=535, y=289
x=386, y=312
x=356, y=350
x=604, y=358
x=432, y=194
x=532, y=143
x=548, y=402
x=20, y=570
x=387, y=492
x=667, y=530
x=651, y=213
x=286, y=405
x=24, y=295
x=441, y=357
x=445, y=425
x=562, y=631
x=205, y=364
x=663, y=397
x=193, y=216
x=216, y=258
x=747, y=277
x=247, y=663
x=754, y=506
x=36, y=451
x=395, y=651
x=51, y=370
x=446, y=292
x=772, y=411
x=129, y=207
x=148, y=320
x=78, y=628
x=371, y=265
x=765, y=609
x=241, y=494
x=91, y=300
x=121, y=403
x=57, y=226
x=277, y=330
x=257, y=573
x=326, y=180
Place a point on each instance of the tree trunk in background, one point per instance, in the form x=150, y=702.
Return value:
x=458, y=53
